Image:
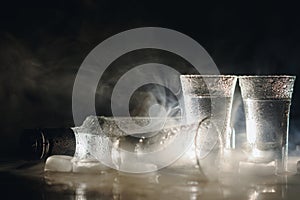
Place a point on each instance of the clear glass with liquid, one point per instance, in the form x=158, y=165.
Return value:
x=208, y=102
x=267, y=101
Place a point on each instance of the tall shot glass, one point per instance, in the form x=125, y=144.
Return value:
x=208, y=102
x=267, y=101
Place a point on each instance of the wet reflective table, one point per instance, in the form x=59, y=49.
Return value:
x=24, y=180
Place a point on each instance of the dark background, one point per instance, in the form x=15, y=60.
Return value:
x=42, y=45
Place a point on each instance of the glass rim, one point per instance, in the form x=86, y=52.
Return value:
x=267, y=76
x=208, y=76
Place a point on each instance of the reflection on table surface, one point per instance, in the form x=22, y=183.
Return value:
x=30, y=182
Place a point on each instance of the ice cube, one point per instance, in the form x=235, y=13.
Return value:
x=293, y=165
x=298, y=167
x=59, y=163
x=88, y=166
x=259, y=169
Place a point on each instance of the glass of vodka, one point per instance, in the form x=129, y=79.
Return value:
x=208, y=102
x=267, y=101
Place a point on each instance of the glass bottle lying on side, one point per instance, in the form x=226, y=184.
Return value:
x=135, y=145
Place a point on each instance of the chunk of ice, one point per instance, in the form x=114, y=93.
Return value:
x=298, y=167
x=59, y=163
x=293, y=165
x=88, y=166
x=259, y=169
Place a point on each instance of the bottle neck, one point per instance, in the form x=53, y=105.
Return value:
x=38, y=144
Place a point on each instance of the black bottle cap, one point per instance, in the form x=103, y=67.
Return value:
x=38, y=144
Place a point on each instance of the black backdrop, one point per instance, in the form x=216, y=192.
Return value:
x=42, y=45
